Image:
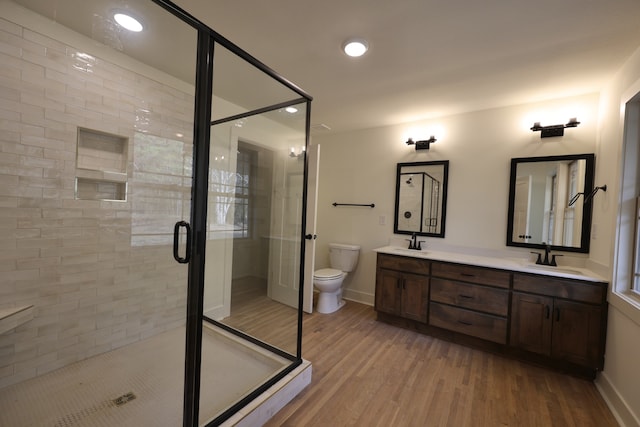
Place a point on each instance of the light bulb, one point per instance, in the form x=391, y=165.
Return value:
x=355, y=47
x=128, y=22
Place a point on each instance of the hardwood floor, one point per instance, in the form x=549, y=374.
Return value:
x=368, y=373
x=254, y=313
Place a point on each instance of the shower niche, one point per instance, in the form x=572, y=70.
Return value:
x=101, y=166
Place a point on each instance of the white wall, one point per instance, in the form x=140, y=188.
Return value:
x=620, y=381
x=360, y=167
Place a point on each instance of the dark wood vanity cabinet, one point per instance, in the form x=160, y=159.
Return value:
x=549, y=320
x=470, y=300
x=560, y=318
x=402, y=287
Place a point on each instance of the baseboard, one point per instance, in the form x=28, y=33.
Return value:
x=361, y=297
x=263, y=408
x=218, y=313
x=616, y=403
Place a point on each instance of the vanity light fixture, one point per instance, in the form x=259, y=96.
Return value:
x=355, y=47
x=422, y=144
x=554, y=130
x=128, y=22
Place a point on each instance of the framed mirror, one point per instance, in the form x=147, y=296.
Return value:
x=421, y=198
x=547, y=202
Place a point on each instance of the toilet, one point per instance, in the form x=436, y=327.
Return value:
x=328, y=281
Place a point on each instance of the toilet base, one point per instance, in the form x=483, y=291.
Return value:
x=329, y=302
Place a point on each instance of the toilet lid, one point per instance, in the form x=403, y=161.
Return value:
x=327, y=273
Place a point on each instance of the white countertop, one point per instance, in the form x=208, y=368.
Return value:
x=513, y=264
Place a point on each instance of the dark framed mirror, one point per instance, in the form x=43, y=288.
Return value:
x=421, y=198
x=549, y=202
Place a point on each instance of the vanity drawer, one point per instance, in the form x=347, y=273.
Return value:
x=481, y=298
x=485, y=326
x=469, y=273
x=576, y=290
x=404, y=264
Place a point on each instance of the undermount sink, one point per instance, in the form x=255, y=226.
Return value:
x=414, y=252
x=554, y=269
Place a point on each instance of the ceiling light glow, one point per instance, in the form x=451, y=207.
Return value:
x=128, y=22
x=291, y=110
x=355, y=47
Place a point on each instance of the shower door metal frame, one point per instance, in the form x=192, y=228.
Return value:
x=207, y=39
x=297, y=359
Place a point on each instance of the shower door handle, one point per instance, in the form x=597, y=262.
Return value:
x=311, y=236
x=176, y=239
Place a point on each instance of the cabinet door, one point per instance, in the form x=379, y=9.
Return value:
x=577, y=332
x=531, y=322
x=388, y=291
x=415, y=297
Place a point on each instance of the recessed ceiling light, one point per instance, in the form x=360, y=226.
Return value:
x=355, y=47
x=291, y=110
x=128, y=22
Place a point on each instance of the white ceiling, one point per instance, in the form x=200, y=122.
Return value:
x=427, y=58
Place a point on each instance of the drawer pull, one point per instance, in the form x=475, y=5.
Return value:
x=467, y=275
x=465, y=296
x=465, y=323
x=547, y=311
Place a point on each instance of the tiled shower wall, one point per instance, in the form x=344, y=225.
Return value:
x=100, y=274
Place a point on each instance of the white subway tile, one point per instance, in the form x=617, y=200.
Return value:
x=10, y=27
x=26, y=264
x=91, y=285
x=8, y=202
x=19, y=253
x=27, y=233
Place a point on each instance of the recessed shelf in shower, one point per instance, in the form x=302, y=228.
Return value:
x=101, y=168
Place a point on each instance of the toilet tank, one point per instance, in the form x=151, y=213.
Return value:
x=343, y=257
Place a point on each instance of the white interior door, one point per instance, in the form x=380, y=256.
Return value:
x=286, y=230
x=313, y=157
x=521, y=210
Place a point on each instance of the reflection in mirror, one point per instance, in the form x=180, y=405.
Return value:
x=547, y=203
x=421, y=198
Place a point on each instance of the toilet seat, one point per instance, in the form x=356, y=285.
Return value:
x=327, y=274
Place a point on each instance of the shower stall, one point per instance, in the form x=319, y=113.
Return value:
x=147, y=181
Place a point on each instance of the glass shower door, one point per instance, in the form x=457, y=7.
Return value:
x=105, y=143
x=254, y=235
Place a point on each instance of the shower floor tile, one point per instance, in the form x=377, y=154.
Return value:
x=139, y=385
